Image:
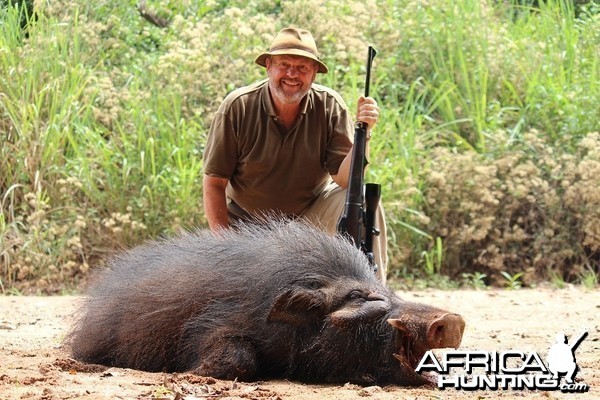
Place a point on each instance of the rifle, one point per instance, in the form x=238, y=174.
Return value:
x=361, y=200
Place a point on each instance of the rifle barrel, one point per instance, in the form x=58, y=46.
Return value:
x=352, y=221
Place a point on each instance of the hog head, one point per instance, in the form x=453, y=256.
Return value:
x=359, y=331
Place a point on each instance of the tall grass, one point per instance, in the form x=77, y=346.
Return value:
x=103, y=118
x=562, y=81
x=461, y=76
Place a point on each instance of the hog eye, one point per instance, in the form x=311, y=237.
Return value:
x=311, y=284
x=355, y=295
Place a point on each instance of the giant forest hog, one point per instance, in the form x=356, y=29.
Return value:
x=282, y=300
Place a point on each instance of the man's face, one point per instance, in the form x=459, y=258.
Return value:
x=290, y=77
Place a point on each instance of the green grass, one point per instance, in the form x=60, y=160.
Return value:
x=512, y=282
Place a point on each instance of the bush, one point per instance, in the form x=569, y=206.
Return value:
x=529, y=210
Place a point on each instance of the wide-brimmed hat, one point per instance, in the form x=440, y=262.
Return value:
x=293, y=42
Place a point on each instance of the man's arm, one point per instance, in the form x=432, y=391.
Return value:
x=343, y=175
x=215, y=204
x=368, y=112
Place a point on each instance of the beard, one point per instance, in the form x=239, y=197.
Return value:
x=291, y=91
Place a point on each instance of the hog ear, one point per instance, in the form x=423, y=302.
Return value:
x=297, y=307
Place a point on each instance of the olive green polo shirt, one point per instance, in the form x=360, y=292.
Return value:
x=269, y=167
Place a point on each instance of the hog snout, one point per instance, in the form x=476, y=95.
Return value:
x=445, y=331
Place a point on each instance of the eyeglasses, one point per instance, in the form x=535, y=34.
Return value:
x=301, y=68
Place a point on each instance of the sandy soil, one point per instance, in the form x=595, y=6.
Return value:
x=34, y=365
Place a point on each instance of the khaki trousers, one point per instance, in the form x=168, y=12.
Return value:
x=326, y=211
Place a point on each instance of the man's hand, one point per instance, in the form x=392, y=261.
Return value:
x=367, y=112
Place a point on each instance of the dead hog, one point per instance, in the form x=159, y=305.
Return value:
x=282, y=300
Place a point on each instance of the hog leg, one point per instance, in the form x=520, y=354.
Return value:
x=227, y=357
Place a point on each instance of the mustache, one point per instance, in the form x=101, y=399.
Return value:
x=290, y=80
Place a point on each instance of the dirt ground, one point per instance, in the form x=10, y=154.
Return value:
x=34, y=365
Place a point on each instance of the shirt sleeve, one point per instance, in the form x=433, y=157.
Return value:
x=220, y=153
x=340, y=140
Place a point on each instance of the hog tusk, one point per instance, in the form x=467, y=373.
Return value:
x=396, y=323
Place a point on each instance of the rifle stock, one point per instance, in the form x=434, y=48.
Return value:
x=356, y=223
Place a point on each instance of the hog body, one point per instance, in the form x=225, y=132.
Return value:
x=279, y=300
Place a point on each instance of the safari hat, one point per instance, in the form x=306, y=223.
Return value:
x=293, y=42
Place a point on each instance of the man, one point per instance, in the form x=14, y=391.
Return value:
x=284, y=144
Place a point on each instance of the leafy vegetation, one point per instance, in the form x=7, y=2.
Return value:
x=487, y=149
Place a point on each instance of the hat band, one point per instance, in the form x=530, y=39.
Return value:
x=311, y=51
